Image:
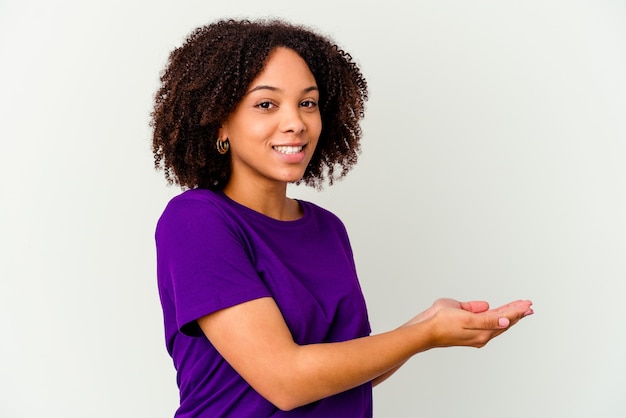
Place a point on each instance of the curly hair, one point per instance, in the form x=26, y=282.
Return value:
x=209, y=74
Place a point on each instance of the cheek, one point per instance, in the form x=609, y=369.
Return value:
x=249, y=130
x=314, y=137
x=315, y=126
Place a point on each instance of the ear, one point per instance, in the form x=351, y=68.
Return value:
x=223, y=131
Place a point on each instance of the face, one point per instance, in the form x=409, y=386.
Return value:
x=273, y=131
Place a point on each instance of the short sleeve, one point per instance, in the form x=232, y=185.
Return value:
x=203, y=263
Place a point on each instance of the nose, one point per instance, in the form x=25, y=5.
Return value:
x=292, y=120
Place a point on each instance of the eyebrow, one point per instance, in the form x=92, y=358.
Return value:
x=272, y=88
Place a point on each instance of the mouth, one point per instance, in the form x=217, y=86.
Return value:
x=287, y=149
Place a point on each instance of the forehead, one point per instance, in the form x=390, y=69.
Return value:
x=284, y=66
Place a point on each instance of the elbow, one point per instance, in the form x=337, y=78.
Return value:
x=286, y=401
x=289, y=387
x=289, y=397
x=285, y=406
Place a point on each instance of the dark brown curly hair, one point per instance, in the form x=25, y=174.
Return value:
x=209, y=74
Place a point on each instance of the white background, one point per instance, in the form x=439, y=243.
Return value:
x=492, y=168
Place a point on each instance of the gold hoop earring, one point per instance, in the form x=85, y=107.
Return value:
x=222, y=145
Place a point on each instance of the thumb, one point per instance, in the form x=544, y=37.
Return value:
x=493, y=322
x=496, y=322
x=503, y=322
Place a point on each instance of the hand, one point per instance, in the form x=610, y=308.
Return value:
x=446, y=303
x=472, y=309
x=471, y=324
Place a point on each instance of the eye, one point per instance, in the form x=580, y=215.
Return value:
x=311, y=104
x=265, y=105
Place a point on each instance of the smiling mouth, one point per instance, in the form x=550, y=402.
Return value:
x=283, y=149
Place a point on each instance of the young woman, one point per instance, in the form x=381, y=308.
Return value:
x=263, y=312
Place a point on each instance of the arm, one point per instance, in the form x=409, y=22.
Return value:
x=255, y=340
x=474, y=306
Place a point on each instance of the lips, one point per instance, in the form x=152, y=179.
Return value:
x=288, y=149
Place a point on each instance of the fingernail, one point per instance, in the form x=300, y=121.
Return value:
x=529, y=312
x=503, y=322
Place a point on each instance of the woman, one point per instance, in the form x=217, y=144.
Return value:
x=262, y=307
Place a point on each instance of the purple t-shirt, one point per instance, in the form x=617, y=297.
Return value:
x=213, y=253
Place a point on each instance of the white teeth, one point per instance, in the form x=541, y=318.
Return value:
x=288, y=150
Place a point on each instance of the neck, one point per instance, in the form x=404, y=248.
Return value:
x=270, y=200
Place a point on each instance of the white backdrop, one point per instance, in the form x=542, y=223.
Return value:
x=492, y=168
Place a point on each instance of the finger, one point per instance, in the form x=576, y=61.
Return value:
x=475, y=306
x=516, y=306
x=488, y=321
x=515, y=313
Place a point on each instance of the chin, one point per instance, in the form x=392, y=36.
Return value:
x=294, y=180
x=292, y=177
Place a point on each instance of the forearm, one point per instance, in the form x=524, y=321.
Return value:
x=256, y=342
x=376, y=358
x=418, y=318
x=321, y=370
x=380, y=379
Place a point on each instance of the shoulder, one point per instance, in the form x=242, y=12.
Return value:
x=193, y=198
x=191, y=210
x=193, y=201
